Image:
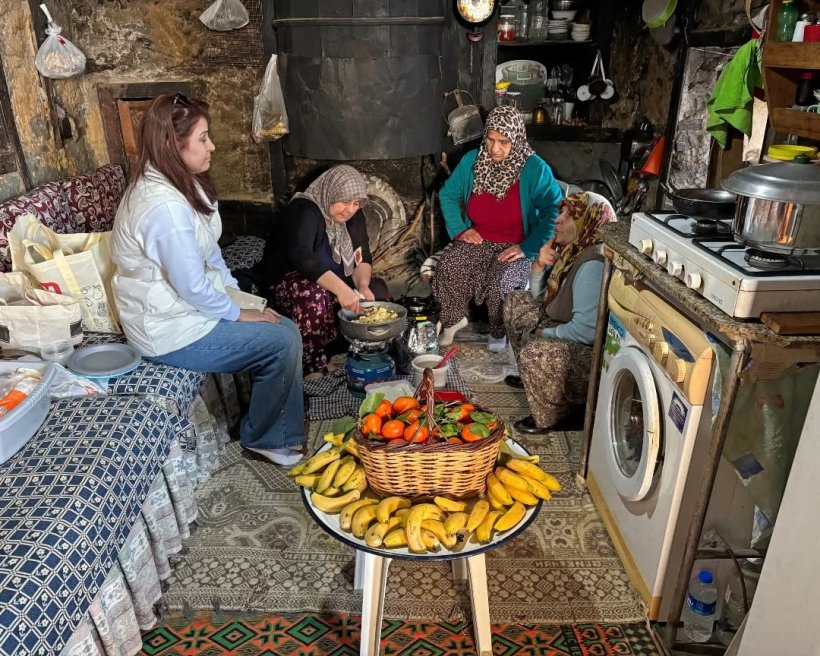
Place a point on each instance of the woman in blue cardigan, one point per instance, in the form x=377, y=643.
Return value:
x=499, y=207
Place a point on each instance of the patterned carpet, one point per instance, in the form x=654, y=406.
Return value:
x=256, y=550
x=338, y=635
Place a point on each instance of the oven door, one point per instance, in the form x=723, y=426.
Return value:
x=635, y=425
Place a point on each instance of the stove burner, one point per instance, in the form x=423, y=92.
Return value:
x=705, y=227
x=764, y=260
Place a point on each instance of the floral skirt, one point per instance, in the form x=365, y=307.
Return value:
x=313, y=309
x=555, y=372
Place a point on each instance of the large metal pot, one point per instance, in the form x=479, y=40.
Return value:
x=778, y=207
x=373, y=332
x=704, y=203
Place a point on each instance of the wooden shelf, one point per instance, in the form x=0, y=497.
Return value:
x=792, y=55
x=574, y=133
x=563, y=42
x=793, y=121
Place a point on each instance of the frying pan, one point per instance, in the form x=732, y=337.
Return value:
x=706, y=203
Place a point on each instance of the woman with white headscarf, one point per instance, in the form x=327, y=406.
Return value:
x=499, y=207
x=318, y=259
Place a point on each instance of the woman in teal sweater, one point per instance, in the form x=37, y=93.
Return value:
x=499, y=207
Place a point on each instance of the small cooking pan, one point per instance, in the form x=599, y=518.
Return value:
x=706, y=203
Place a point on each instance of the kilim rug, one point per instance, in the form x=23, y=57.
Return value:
x=337, y=634
x=257, y=550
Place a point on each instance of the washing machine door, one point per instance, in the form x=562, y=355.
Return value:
x=634, y=424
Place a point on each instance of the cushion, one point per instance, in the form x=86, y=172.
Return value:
x=93, y=198
x=48, y=202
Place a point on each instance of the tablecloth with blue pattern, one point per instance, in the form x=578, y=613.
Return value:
x=68, y=500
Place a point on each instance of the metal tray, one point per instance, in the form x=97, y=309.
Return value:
x=104, y=360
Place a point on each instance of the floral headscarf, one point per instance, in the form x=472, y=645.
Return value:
x=340, y=183
x=588, y=215
x=496, y=178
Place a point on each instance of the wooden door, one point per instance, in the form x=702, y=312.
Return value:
x=130, y=113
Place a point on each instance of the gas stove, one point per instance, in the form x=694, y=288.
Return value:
x=741, y=281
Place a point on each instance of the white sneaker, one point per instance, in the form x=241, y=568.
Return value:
x=447, y=334
x=497, y=344
x=286, y=457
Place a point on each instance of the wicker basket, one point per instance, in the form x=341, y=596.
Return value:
x=422, y=471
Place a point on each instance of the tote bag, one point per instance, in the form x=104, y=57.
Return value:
x=31, y=317
x=77, y=265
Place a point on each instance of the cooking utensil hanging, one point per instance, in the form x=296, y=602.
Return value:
x=599, y=84
x=465, y=123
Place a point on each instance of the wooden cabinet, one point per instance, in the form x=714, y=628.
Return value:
x=782, y=65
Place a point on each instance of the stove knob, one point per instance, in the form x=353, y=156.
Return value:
x=645, y=246
x=661, y=352
x=675, y=268
x=676, y=368
x=659, y=257
x=693, y=280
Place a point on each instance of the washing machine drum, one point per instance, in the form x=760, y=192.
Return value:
x=635, y=425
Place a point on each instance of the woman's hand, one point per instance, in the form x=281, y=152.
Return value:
x=546, y=256
x=367, y=295
x=471, y=236
x=268, y=315
x=350, y=300
x=511, y=254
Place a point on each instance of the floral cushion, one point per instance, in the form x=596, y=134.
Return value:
x=48, y=202
x=94, y=198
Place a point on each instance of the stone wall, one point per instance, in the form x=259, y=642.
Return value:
x=133, y=41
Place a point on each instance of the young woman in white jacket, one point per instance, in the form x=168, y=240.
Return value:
x=171, y=280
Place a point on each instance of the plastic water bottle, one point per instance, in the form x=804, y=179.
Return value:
x=699, y=612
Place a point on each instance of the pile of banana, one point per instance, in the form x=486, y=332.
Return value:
x=338, y=484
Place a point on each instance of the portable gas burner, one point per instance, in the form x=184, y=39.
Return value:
x=368, y=360
x=743, y=282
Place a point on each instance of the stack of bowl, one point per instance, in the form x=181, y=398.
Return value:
x=580, y=32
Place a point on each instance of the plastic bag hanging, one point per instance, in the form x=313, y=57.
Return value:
x=270, y=118
x=225, y=15
x=58, y=58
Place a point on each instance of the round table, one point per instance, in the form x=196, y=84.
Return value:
x=372, y=565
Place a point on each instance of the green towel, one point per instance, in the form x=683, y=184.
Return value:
x=733, y=97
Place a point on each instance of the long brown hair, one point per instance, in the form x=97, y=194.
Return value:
x=166, y=124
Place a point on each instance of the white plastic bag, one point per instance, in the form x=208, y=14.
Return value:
x=225, y=15
x=270, y=118
x=58, y=58
x=68, y=385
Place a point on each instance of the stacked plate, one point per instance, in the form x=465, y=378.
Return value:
x=557, y=29
x=580, y=32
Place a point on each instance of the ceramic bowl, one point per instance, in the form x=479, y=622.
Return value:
x=422, y=362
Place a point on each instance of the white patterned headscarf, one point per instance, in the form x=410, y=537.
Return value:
x=338, y=184
x=496, y=178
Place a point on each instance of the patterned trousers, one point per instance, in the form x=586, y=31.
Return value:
x=313, y=309
x=468, y=272
x=555, y=372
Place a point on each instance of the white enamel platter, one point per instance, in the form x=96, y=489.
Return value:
x=330, y=523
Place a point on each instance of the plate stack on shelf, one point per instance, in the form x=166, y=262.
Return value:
x=557, y=29
x=580, y=32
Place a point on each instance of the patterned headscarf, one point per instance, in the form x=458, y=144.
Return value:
x=340, y=183
x=588, y=215
x=496, y=178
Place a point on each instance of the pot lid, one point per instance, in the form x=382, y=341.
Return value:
x=791, y=182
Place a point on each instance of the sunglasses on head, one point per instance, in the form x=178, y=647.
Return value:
x=182, y=100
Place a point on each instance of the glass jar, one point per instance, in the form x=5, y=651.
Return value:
x=514, y=99
x=506, y=27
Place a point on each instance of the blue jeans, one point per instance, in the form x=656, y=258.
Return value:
x=272, y=353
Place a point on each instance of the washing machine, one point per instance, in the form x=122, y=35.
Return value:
x=652, y=426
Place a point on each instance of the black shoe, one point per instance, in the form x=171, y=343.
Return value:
x=514, y=381
x=527, y=426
